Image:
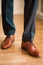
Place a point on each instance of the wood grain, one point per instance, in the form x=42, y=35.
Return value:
x=15, y=55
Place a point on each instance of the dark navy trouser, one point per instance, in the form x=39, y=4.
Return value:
x=30, y=7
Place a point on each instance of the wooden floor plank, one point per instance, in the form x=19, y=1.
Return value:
x=16, y=56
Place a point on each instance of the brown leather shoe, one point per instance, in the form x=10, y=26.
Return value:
x=7, y=42
x=30, y=48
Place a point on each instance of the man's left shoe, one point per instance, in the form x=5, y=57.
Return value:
x=7, y=42
x=30, y=48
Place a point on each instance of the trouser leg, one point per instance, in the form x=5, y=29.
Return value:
x=7, y=17
x=30, y=8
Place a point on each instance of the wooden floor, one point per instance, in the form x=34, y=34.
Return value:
x=15, y=55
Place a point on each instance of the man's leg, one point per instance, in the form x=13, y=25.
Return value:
x=7, y=17
x=29, y=19
x=29, y=26
x=7, y=21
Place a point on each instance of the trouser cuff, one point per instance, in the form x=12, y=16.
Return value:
x=27, y=37
x=10, y=32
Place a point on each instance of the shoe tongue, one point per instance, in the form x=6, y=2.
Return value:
x=8, y=36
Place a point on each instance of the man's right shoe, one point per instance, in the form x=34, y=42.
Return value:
x=7, y=42
x=30, y=48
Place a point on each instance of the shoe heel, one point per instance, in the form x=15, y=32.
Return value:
x=23, y=48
